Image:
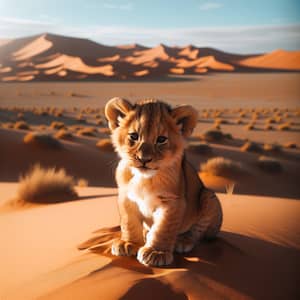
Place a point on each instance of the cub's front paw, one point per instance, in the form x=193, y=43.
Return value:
x=151, y=257
x=123, y=248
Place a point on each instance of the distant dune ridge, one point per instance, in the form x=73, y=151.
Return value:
x=53, y=57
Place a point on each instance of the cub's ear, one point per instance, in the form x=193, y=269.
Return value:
x=187, y=117
x=115, y=109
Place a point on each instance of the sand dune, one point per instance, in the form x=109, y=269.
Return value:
x=84, y=59
x=256, y=247
x=279, y=59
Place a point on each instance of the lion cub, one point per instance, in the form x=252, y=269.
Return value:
x=163, y=205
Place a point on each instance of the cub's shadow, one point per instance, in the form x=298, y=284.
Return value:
x=248, y=265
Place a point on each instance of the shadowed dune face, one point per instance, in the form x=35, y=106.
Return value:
x=54, y=57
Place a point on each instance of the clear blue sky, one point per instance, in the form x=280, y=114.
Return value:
x=232, y=25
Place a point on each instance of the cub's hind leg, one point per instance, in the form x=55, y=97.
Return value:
x=207, y=226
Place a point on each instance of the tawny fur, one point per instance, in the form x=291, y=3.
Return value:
x=164, y=206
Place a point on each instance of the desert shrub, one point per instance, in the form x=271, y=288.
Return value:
x=205, y=115
x=268, y=127
x=8, y=125
x=104, y=130
x=251, y=147
x=284, y=126
x=213, y=135
x=75, y=127
x=57, y=125
x=21, y=125
x=105, y=145
x=220, y=121
x=42, y=140
x=228, y=136
x=63, y=134
x=239, y=121
x=200, y=148
x=269, y=165
x=46, y=186
x=40, y=112
x=100, y=122
x=272, y=147
x=87, y=131
x=58, y=113
x=290, y=145
x=81, y=182
x=216, y=126
x=250, y=126
x=220, y=166
x=20, y=116
x=98, y=116
x=42, y=127
x=80, y=118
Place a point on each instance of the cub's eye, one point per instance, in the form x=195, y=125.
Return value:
x=134, y=136
x=161, y=139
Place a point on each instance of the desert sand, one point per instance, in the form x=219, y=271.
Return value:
x=256, y=256
x=49, y=57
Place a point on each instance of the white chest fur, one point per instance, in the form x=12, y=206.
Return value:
x=141, y=192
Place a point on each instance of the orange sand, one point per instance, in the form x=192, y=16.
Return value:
x=256, y=257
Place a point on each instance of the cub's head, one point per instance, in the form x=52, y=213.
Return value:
x=150, y=134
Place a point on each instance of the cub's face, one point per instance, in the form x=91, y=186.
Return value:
x=150, y=134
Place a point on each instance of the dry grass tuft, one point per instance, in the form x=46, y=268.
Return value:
x=87, y=131
x=20, y=116
x=290, y=145
x=57, y=125
x=100, y=122
x=81, y=182
x=230, y=188
x=200, y=148
x=63, y=134
x=213, y=136
x=8, y=125
x=220, y=166
x=250, y=126
x=284, y=126
x=105, y=145
x=272, y=148
x=269, y=165
x=268, y=127
x=80, y=118
x=42, y=140
x=40, y=112
x=220, y=121
x=21, y=125
x=42, y=127
x=104, y=130
x=251, y=147
x=46, y=186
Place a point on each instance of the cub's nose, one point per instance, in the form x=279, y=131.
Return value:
x=144, y=159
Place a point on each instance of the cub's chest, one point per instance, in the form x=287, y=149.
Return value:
x=140, y=191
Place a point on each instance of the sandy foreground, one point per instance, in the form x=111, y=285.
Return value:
x=257, y=255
